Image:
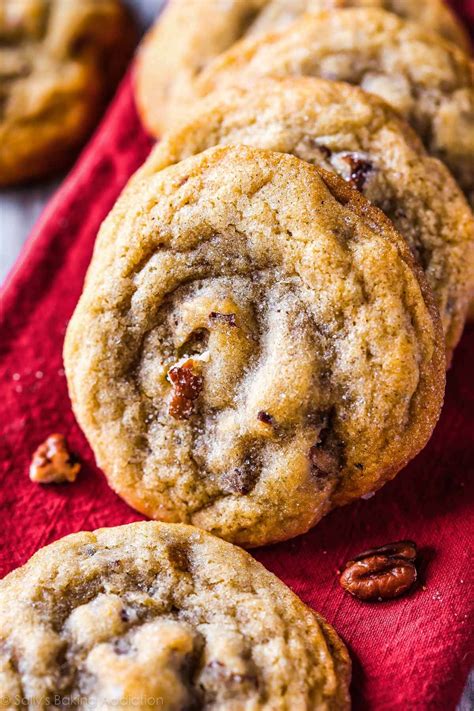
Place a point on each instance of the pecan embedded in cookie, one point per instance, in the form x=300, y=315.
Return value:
x=224, y=319
x=265, y=417
x=241, y=479
x=187, y=385
x=359, y=170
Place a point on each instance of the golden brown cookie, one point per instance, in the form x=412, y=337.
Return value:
x=164, y=616
x=429, y=81
x=254, y=346
x=191, y=33
x=346, y=130
x=59, y=62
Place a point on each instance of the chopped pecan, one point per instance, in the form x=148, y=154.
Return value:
x=124, y=616
x=223, y=681
x=178, y=556
x=241, y=479
x=225, y=319
x=310, y=148
x=53, y=463
x=359, y=170
x=382, y=573
x=265, y=417
x=326, y=455
x=187, y=385
x=323, y=462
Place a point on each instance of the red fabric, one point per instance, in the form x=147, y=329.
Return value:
x=413, y=653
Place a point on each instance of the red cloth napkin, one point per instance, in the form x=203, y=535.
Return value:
x=413, y=653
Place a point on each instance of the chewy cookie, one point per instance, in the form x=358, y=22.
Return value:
x=59, y=62
x=429, y=81
x=190, y=33
x=346, y=130
x=254, y=346
x=162, y=616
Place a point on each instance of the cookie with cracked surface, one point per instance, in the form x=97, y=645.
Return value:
x=191, y=33
x=346, y=130
x=59, y=63
x=150, y=611
x=255, y=345
x=429, y=81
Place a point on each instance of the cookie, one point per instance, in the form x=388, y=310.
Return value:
x=166, y=616
x=191, y=33
x=59, y=63
x=429, y=81
x=346, y=130
x=254, y=346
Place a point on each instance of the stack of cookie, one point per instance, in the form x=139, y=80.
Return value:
x=272, y=302
x=263, y=336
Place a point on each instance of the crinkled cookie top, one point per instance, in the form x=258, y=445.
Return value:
x=190, y=33
x=161, y=616
x=429, y=81
x=343, y=129
x=254, y=345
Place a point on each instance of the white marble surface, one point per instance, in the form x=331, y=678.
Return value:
x=20, y=208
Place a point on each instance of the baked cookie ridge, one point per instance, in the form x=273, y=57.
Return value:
x=427, y=80
x=189, y=34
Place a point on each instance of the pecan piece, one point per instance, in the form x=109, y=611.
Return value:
x=53, y=463
x=323, y=462
x=400, y=549
x=326, y=455
x=187, y=385
x=381, y=573
x=219, y=679
x=243, y=478
x=309, y=148
x=224, y=319
x=359, y=170
x=179, y=558
x=265, y=417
